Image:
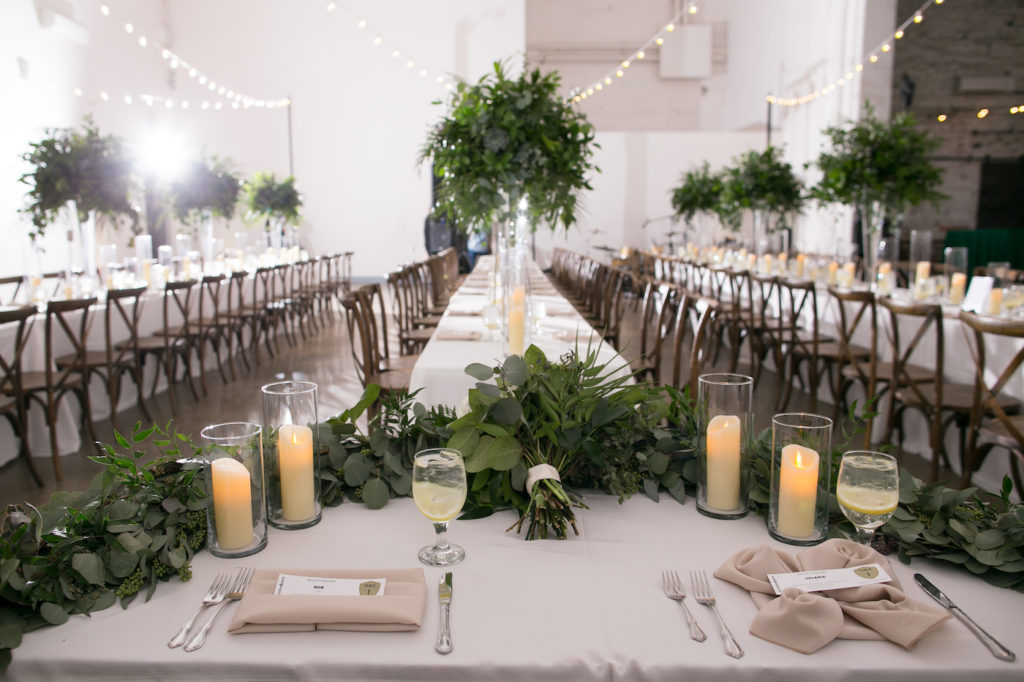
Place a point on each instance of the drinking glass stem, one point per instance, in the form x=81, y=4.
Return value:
x=441, y=535
x=864, y=535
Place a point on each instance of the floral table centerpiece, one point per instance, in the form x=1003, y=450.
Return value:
x=277, y=203
x=698, y=194
x=764, y=184
x=879, y=168
x=208, y=188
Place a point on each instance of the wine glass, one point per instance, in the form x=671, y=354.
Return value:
x=492, y=319
x=868, y=490
x=439, y=489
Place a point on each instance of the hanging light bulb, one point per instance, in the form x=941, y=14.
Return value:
x=942, y=118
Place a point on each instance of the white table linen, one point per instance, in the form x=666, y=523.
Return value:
x=587, y=608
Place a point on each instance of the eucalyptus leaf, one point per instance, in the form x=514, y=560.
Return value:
x=375, y=493
x=54, y=614
x=479, y=371
x=89, y=566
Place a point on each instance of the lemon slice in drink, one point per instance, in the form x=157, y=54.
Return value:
x=868, y=500
x=438, y=502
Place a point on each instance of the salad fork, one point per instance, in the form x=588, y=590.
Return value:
x=214, y=595
x=702, y=593
x=673, y=588
x=237, y=591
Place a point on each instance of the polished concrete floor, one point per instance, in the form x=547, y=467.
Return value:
x=324, y=358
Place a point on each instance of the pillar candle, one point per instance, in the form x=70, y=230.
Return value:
x=798, y=491
x=800, y=258
x=751, y=262
x=723, y=462
x=957, y=284
x=516, y=329
x=833, y=268
x=295, y=462
x=767, y=263
x=995, y=301
x=232, y=503
x=924, y=270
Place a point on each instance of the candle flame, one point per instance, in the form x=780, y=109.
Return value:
x=295, y=438
x=799, y=462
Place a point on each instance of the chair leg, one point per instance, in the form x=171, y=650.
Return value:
x=51, y=422
x=19, y=424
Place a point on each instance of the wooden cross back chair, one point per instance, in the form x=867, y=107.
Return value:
x=14, y=407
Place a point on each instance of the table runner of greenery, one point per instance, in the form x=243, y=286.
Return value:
x=139, y=524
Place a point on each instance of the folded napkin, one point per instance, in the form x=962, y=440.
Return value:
x=400, y=608
x=807, y=621
x=466, y=312
x=455, y=335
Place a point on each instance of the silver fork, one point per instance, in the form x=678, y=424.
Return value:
x=702, y=593
x=673, y=588
x=237, y=591
x=215, y=595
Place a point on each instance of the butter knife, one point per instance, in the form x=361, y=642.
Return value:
x=444, y=595
x=997, y=649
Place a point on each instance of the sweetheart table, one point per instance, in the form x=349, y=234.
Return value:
x=586, y=608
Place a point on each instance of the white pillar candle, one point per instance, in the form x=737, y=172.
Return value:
x=995, y=301
x=798, y=491
x=800, y=258
x=295, y=464
x=232, y=503
x=517, y=320
x=833, y=268
x=723, y=462
x=924, y=270
x=957, y=284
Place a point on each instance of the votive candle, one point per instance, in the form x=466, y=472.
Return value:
x=232, y=503
x=295, y=462
x=723, y=462
x=957, y=285
x=798, y=491
x=995, y=301
x=800, y=259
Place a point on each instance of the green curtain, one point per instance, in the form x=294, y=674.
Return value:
x=987, y=246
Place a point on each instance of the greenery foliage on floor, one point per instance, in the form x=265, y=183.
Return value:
x=138, y=525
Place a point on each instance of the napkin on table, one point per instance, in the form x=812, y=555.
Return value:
x=807, y=621
x=457, y=335
x=400, y=608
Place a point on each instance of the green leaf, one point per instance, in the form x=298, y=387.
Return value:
x=89, y=566
x=465, y=440
x=122, y=563
x=502, y=453
x=479, y=371
x=658, y=463
x=506, y=411
x=54, y=614
x=121, y=510
x=140, y=436
x=11, y=629
x=357, y=470
x=375, y=493
x=989, y=539
x=651, y=489
x=514, y=370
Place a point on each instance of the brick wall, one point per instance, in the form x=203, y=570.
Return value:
x=960, y=43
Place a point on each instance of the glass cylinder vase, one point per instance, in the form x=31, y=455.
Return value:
x=513, y=261
x=872, y=220
x=724, y=438
x=290, y=444
x=236, y=516
x=800, y=477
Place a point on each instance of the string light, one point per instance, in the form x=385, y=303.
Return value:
x=872, y=57
x=580, y=93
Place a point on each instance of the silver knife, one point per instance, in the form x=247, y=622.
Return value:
x=997, y=649
x=444, y=595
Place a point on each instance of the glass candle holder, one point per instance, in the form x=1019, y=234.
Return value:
x=236, y=517
x=801, y=472
x=290, y=437
x=723, y=453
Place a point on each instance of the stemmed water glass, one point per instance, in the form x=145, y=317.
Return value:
x=868, y=490
x=492, y=320
x=439, y=489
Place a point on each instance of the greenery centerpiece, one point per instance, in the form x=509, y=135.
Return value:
x=699, y=193
x=764, y=184
x=82, y=173
x=277, y=203
x=207, y=188
x=508, y=139
x=879, y=168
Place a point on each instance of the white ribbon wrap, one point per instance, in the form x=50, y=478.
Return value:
x=540, y=472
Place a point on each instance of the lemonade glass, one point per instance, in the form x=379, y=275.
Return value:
x=868, y=490
x=439, y=489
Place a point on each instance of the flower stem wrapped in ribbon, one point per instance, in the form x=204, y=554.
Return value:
x=536, y=424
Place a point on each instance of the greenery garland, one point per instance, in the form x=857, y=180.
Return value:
x=139, y=524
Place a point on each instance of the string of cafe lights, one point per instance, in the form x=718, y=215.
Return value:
x=579, y=94
x=872, y=57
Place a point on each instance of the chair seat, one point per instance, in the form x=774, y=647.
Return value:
x=93, y=358
x=391, y=380
x=832, y=350
x=917, y=373
x=998, y=433
x=426, y=321
x=36, y=381
x=399, y=363
x=955, y=397
x=153, y=343
x=420, y=335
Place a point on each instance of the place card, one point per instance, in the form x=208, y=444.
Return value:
x=829, y=579
x=332, y=587
x=976, y=299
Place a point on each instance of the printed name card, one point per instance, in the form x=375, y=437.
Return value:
x=829, y=579
x=976, y=299
x=333, y=587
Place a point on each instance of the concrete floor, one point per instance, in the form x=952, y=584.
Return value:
x=324, y=358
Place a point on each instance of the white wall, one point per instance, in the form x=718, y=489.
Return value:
x=359, y=115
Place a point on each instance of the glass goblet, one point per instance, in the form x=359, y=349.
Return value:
x=439, y=490
x=492, y=320
x=868, y=490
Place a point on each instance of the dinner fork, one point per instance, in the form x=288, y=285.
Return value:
x=237, y=591
x=702, y=593
x=673, y=588
x=215, y=595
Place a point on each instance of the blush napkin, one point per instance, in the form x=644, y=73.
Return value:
x=807, y=621
x=400, y=608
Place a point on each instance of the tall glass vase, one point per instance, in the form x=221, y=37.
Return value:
x=872, y=218
x=761, y=227
x=81, y=245
x=513, y=262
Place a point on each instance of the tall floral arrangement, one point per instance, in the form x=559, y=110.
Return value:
x=505, y=139
x=208, y=186
x=81, y=166
x=763, y=183
x=271, y=199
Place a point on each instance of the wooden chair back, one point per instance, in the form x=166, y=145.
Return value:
x=16, y=410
